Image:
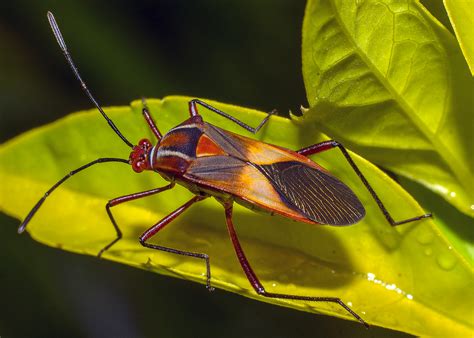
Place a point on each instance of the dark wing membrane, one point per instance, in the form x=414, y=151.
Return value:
x=318, y=195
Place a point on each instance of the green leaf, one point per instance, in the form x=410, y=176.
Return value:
x=461, y=16
x=388, y=81
x=456, y=226
x=383, y=273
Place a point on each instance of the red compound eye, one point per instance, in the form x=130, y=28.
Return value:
x=144, y=143
x=138, y=166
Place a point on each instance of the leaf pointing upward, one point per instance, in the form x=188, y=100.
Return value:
x=386, y=79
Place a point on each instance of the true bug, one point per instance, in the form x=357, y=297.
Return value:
x=212, y=162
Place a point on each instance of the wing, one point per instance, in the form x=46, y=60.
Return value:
x=227, y=174
x=249, y=150
x=275, y=179
x=318, y=195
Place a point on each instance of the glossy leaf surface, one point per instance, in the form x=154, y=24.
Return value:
x=461, y=16
x=389, y=81
x=383, y=273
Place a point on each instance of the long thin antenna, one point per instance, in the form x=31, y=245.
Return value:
x=62, y=44
x=33, y=211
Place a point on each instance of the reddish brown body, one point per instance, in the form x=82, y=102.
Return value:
x=211, y=161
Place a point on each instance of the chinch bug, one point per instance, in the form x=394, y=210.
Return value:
x=212, y=162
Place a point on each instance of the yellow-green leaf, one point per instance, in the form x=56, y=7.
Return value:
x=390, y=82
x=461, y=15
x=385, y=274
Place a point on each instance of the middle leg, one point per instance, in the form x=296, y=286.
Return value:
x=194, y=112
x=165, y=221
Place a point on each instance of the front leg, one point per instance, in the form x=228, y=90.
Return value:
x=149, y=120
x=123, y=199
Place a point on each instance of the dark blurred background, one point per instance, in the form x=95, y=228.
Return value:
x=243, y=52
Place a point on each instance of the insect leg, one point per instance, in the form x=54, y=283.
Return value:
x=150, y=121
x=326, y=145
x=165, y=221
x=257, y=285
x=123, y=199
x=194, y=112
x=33, y=211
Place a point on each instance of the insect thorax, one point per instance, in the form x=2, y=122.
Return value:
x=176, y=149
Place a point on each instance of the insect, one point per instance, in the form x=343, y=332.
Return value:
x=213, y=162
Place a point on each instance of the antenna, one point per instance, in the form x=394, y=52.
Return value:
x=62, y=44
x=33, y=211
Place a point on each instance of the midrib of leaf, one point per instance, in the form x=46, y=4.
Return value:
x=455, y=166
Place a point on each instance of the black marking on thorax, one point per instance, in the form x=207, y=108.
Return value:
x=182, y=139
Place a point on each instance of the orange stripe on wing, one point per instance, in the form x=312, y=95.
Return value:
x=207, y=147
x=262, y=153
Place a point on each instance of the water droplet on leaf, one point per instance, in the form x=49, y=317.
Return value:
x=425, y=236
x=446, y=261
